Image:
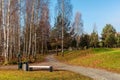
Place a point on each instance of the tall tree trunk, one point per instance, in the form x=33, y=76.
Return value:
x=31, y=24
x=42, y=51
x=4, y=28
x=19, y=12
x=35, y=44
x=1, y=30
x=62, y=28
x=26, y=37
x=24, y=42
x=8, y=26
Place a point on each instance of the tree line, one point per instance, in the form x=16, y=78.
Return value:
x=25, y=29
x=109, y=39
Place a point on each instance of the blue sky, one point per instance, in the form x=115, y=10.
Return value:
x=99, y=12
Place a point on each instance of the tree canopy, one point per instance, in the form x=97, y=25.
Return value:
x=108, y=36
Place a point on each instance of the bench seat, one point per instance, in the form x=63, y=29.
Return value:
x=50, y=68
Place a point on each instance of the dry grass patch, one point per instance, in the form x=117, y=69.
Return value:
x=103, y=58
x=40, y=75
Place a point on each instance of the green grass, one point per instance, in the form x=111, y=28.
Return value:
x=101, y=50
x=103, y=58
x=40, y=75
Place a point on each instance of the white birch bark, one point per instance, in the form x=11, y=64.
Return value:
x=8, y=25
x=32, y=19
x=4, y=28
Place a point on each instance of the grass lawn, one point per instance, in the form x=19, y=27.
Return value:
x=104, y=58
x=40, y=75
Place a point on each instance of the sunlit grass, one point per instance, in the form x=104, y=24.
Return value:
x=104, y=58
x=101, y=50
x=40, y=75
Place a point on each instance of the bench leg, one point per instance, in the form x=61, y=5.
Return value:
x=51, y=69
x=30, y=69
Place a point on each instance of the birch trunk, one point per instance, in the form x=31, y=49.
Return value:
x=4, y=29
x=26, y=37
x=1, y=30
x=8, y=25
x=31, y=24
x=35, y=44
x=62, y=28
x=24, y=47
x=19, y=1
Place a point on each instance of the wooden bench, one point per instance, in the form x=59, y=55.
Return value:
x=50, y=68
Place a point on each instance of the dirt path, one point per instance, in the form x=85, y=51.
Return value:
x=90, y=72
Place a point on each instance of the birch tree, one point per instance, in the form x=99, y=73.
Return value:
x=26, y=40
x=1, y=29
x=31, y=24
x=45, y=25
x=64, y=8
x=4, y=28
x=78, y=28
